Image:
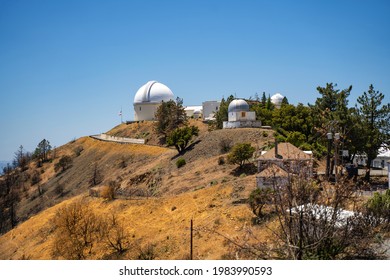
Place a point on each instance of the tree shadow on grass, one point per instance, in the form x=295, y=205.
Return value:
x=246, y=169
x=189, y=148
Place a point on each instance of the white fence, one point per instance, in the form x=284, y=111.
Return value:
x=122, y=140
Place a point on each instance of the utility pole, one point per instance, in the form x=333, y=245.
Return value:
x=329, y=136
x=191, y=239
x=337, y=138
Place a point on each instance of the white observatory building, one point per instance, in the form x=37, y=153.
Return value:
x=277, y=100
x=240, y=116
x=148, y=98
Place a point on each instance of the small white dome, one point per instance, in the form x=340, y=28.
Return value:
x=238, y=105
x=153, y=92
x=277, y=98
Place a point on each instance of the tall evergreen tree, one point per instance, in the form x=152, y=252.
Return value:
x=263, y=99
x=169, y=116
x=42, y=151
x=375, y=120
x=222, y=114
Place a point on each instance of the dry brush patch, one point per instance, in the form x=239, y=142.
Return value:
x=81, y=233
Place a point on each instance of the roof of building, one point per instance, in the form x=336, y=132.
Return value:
x=198, y=109
x=384, y=153
x=286, y=151
x=153, y=92
x=238, y=105
x=273, y=171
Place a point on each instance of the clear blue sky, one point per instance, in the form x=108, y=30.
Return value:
x=67, y=67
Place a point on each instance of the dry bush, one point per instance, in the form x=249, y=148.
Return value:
x=80, y=233
x=225, y=145
x=77, y=231
x=310, y=224
x=147, y=252
x=107, y=192
x=115, y=235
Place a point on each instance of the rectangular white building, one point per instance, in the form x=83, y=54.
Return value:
x=209, y=109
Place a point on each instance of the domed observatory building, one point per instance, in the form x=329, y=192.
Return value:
x=277, y=100
x=240, y=116
x=148, y=98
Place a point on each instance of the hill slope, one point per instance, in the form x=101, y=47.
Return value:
x=156, y=198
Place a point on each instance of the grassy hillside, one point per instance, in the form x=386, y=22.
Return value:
x=156, y=199
x=159, y=222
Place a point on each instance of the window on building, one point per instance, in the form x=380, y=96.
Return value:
x=140, y=108
x=243, y=114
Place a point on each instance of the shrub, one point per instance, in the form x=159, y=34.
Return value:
x=59, y=189
x=77, y=151
x=35, y=178
x=107, y=192
x=115, y=234
x=180, y=137
x=63, y=164
x=147, y=253
x=221, y=161
x=180, y=162
x=240, y=153
x=213, y=183
x=225, y=145
x=77, y=231
x=378, y=208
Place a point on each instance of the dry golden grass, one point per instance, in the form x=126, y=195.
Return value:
x=163, y=222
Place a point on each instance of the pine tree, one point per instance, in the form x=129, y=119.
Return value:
x=375, y=119
x=169, y=116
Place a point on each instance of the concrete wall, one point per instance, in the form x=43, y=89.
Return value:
x=242, y=116
x=122, y=140
x=241, y=124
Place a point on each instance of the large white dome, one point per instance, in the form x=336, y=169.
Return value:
x=238, y=105
x=277, y=98
x=153, y=92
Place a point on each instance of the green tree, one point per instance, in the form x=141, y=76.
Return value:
x=222, y=114
x=292, y=118
x=285, y=101
x=269, y=105
x=241, y=152
x=375, y=120
x=263, y=99
x=258, y=199
x=42, y=151
x=331, y=109
x=180, y=137
x=169, y=116
x=331, y=114
x=378, y=207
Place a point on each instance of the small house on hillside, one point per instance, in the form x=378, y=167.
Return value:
x=276, y=166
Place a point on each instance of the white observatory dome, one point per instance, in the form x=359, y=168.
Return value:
x=148, y=98
x=153, y=92
x=238, y=105
x=277, y=99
